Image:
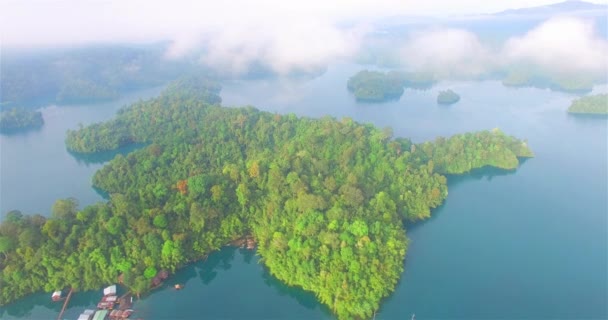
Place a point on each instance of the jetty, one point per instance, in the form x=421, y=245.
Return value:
x=65, y=304
x=107, y=307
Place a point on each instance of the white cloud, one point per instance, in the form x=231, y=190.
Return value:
x=560, y=45
x=450, y=53
x=283, y=35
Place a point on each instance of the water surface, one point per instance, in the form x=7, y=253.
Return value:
x=524, y=244
x=36, y=168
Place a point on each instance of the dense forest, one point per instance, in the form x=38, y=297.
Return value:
x=528, y=77
x=447, y=97
x=376, y=86
x=594, y=104
x=324, y=198
x=85, y=74
x=18, y=119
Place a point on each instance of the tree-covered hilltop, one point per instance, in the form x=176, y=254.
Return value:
x=376, y=86
x=122, y=131
x=87, y=74
x=595, y=104
x=462, y=153
x=529, y=77
x=447, y=97
x=324, y=198
x=17, y=119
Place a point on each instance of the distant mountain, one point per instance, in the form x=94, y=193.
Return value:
x=570, y=7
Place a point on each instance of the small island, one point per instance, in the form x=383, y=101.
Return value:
x=590, y=105
x=18, y=119
x=447, y=97
x=375, y=86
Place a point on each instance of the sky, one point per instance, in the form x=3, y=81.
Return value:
x=286, y=35
x=69, y=22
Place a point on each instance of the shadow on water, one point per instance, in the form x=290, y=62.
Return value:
x=21, y=131
x=105, y=156
x=306, y=299
x=585, y=118
x=20, y=309
x=222, y=260
x=23, y=307
x=488, y=173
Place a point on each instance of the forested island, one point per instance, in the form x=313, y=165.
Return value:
x=376, y=86
x=447, y=97
x=580, y=83
x=17, y=119
x=325, y=199
x=594, y=105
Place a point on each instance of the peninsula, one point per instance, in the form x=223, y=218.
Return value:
x=325, y=199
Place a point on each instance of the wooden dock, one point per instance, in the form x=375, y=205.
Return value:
x=65, y=304
x=125, y=301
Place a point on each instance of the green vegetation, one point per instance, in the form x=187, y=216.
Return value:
x=595, y=104
x=447, y=97
x=19, y=119
x=85, y=74
x=324, y=198
x=375, y=86
x=418, y=80
x=485, y=148
x=520, y=77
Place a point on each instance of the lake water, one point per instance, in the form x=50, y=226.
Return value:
x=528, y=244
x=35, y=167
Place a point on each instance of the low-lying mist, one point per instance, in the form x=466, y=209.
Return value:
x=559, y=47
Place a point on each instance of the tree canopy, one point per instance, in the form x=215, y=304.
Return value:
x=324, y=198
x=17, y=119
x=594, y=104
x=447, y=97
x=376, y=86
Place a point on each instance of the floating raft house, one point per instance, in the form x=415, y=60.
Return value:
x=111, y=290
x=100, y=315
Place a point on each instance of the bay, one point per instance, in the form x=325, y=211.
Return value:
x=35, y=167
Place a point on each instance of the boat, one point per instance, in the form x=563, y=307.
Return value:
x=56, y=296
x=127, y=313
x=178, y=286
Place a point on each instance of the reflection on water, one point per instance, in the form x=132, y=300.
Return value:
x=105, y=156
x=230, y=283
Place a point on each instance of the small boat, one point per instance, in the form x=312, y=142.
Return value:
x=413, y=316
x=127, y=313
x=56, y=295
x=178, y=286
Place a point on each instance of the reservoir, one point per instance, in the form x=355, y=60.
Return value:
x=524, y=244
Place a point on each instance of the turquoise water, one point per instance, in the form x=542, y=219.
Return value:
x=35, y=167
x=525, y=244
